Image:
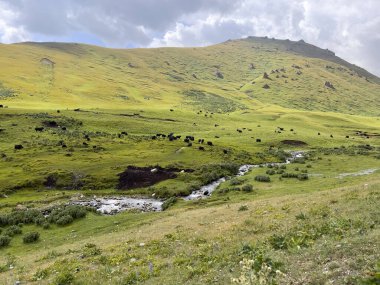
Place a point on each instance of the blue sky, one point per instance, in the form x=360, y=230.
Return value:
x=350, y=28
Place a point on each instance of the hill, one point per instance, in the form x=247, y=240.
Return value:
x=261, y=157
x=57, y=75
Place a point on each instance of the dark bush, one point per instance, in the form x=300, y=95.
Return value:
x=63, y=215
x=12, y=231
x=289, y=175
x=270, y=172
x=64, y=220
x=4, y=241
x=31, y=237
x=236, y=181
x=303, y=176
x=247, y=188
x=262, y=178
x=45, y=225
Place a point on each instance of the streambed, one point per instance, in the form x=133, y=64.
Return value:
x=113, y=205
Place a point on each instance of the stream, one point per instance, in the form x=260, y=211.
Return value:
x=206, y=190
x=114, y=205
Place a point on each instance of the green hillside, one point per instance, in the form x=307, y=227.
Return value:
x=83, y=76
x=85, y=122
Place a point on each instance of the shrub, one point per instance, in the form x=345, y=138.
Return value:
x=64, y=220
x=64, y=278
x=64, y=215
x=243, y=208
x=46, y=225
x=262, y=178
x=247, y=188
x=303, y=176
x=289, y=175
x=31, y=237
x=270, y=172
x=259, y=269
x=301, y=216
x=168, y=203
x=12, y=230
x=236, y=181
x=4, y=241
x=90, y=249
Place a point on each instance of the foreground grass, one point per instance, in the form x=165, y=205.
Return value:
x=319, y=237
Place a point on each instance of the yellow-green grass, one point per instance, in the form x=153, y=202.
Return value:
x=196, y=242
x=203, y=245
x=90, y=77
x=43, y=155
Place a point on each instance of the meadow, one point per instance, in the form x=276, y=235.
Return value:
x=71, y=129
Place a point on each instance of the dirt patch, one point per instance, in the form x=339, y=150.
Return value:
x=50, y=124
x=137, y=177
x=293, y=142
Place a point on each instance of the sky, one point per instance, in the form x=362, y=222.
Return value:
x=350, y=28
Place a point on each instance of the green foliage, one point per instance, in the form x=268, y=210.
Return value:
x=243, y=208
x=302, y=176
x=64, y=215
x=25, y=217
x=4, y=241
x=64, y=220
x=271, y=172
x=237, y=181
x=262, y=178
x=31, y=237
x=90, y=249
x=258, y=268
x=6, y=92
x=12, y=231
x=211, y=102
x=247, y=188
x=40, y=274
x=305, y=234
x=169, y=202
x=373, y=278
x=64, y=278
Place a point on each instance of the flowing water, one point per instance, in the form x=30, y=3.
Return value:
x=113, y=205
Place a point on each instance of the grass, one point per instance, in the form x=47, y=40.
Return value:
x=307, y=218
x=205, y=244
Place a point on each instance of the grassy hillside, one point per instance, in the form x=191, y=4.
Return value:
x=75, y=117
x=83, y=76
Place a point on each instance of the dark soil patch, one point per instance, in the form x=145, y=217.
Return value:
x=50, y=124
x=293, y=142
x=137, y=177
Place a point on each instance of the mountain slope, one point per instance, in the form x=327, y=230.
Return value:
x=58, y=75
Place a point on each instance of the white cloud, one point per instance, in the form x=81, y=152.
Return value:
x=9, y=33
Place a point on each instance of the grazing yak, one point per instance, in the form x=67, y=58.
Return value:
x=39, y=129
x=18, y=146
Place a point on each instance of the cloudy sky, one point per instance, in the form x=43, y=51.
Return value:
x=351, y=28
